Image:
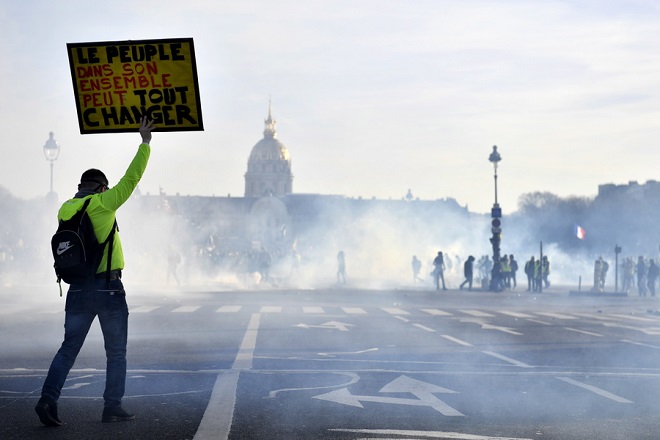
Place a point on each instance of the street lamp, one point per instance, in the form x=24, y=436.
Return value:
x=496, y=229
x=51, y=151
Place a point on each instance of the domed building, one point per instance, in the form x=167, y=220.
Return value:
x=269, y=165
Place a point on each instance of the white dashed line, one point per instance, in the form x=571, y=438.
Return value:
x=477, y=313
x=394, y=311
x=596, y=390
x=185, y=309
x=354, y=310
x=228, y=309
x=458, y=341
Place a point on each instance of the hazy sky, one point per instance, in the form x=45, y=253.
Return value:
x=371, y=97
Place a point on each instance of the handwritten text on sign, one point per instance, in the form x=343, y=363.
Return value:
x=117, y=83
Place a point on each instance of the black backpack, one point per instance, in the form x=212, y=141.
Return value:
x=76, y=251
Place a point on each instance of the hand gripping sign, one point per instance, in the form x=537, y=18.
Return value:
x=117, y=82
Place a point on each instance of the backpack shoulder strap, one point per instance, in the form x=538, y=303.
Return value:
x=110, y=241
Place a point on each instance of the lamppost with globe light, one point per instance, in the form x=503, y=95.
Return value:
x=496, y=229
x=51, y=151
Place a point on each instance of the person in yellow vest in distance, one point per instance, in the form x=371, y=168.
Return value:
x=103, y=296
x=599, y=277
x=545, y=264
x=514, y=269
x=506, y=272
x=416, y=265
x=341, y=268
x=537, y=276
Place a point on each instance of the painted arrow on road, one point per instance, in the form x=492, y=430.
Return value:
x=423, y=392
x=332, y=324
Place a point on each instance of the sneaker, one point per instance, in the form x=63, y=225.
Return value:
x=47, y=411
x=115, y=414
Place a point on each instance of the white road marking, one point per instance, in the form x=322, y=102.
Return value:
x=477, y=313
x=341, y=326
x=539, y=322
x=596, y=390
x=185, y=309
x=354, y=310
x=648, y=330
x=508, y=330
x=599, y=317
x=401, y=318
x=229, y=309
x=313, y=310
x=245, y=353
x=436, y=312
x=423, y=392
x=347, y=352
x=77, y=385
x=641, y=343
x=394, y=311
x=507, y=359
x=423, y=327
x=354, y=378
x=556, y=315
x=458, y=341
x=270, y=309
x=633, y=318
x=577, y=330
x=426, y=434
x=144, y=309
x=216, y=422
x=515, y=314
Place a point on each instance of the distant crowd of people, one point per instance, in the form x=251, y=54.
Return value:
x=642, y=274
x=505, y=273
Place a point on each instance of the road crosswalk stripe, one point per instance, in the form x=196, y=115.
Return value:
x=229, y=309
x=515, y=314
x=313, y=310
x=458, y=341
x=596, y=390
x=633, y=318
x=577, y=330
x=394, y=311
x=507, y=359
x=423, y=327
x=556, y=315
x=270, y=309
x=354, y=310
x=477, y=313
x=436, y=312
x=186, y=309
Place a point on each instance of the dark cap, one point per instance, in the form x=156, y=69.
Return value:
x=94, y=176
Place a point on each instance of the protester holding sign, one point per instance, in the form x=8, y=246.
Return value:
x=103, y=296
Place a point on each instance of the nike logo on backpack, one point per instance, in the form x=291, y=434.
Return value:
x=63, y=247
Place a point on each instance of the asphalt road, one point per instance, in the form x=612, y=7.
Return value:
x=340, y=363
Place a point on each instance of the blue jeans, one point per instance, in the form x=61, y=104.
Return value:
x=84, y=302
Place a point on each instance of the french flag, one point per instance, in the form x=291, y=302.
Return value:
x=580, y=232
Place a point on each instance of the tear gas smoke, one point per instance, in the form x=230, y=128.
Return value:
x=213, y=249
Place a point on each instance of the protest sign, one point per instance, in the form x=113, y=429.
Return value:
x=117, y=82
